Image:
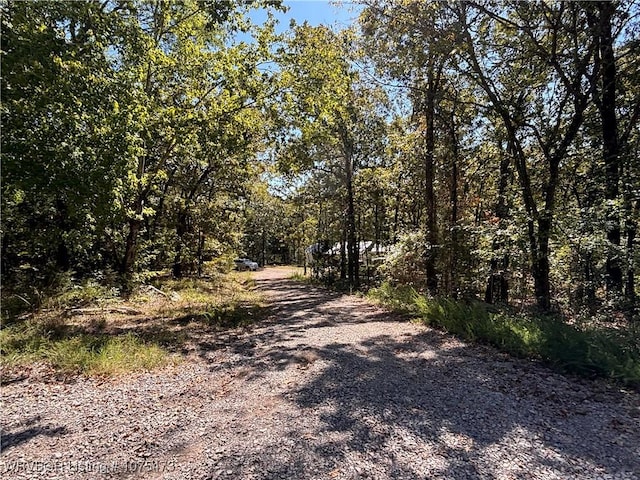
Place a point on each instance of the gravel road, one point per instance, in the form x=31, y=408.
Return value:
x=328, y=387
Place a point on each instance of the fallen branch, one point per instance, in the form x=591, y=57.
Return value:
x=93, y=311
x=157, y=290
x=171, y=296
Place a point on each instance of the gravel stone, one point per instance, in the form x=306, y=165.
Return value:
x=328, y=387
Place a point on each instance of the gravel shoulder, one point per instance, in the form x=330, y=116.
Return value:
x=327, y=387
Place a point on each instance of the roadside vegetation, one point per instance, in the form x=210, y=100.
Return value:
x=90, y=330
x=577, y=346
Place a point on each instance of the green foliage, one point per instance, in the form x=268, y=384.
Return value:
x=523, y=194
x=131, y=130
x=586, y=350
x=327, y=281
x=77, y=295
x=106, y=355
x=138, y=135
x=404, y=265
x=60, y=135
x=299, y=277
x=233, y=314
x=335, y=128
x=221, y=264
x=400, y=298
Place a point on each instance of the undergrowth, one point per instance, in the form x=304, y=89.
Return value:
x=76, y=352
x=299, y=277
x=585, y=350
x=102, y=343
x=309, y=280
x=334, y=283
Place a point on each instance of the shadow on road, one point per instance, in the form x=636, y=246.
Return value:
x=398, y=398
x=9, y=440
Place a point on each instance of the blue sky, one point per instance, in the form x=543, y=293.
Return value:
x=314, y=11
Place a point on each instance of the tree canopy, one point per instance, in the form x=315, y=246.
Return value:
x=499, y=140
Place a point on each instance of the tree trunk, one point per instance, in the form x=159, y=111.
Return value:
x=431, y=231
x=453, y=199
x=131, y=244
x=396, y=214
x=589, y=294
x=352, y=248
x=129, y=259
x=135, y=223
x=181, y=230
x=376, y=224
x=610, y=145
x=303, y=247
x=631, y=227
x=201, y=242
x=554, y=149
x=63, y=259
x=540, y=265
x=497, y=286
x=343, y=253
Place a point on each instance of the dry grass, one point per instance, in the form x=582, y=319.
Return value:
x=106, y=335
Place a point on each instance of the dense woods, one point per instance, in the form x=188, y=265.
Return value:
x=483, y=150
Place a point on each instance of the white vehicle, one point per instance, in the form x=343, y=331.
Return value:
x=245, y=264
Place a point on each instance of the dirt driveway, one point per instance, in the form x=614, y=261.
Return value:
x=328, y=387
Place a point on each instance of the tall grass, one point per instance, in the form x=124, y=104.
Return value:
x=299, y=277
x=73, y=352
x=182, y=311
x=585, y=350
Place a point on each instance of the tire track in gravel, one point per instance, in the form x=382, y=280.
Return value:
x=330, y=386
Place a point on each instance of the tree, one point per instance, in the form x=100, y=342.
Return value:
x=602, y=16
x=335, y=119
x=605, y=97
x=195, y=91
x=62, y=129
x=143, y=113
x=413, y=34
x=531, y=40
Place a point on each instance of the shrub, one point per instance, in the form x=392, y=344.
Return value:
x=401, y=298
x=404, y=265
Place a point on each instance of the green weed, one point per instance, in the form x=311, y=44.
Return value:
x=299, y=277
x=69, y=351
x=586, y=350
